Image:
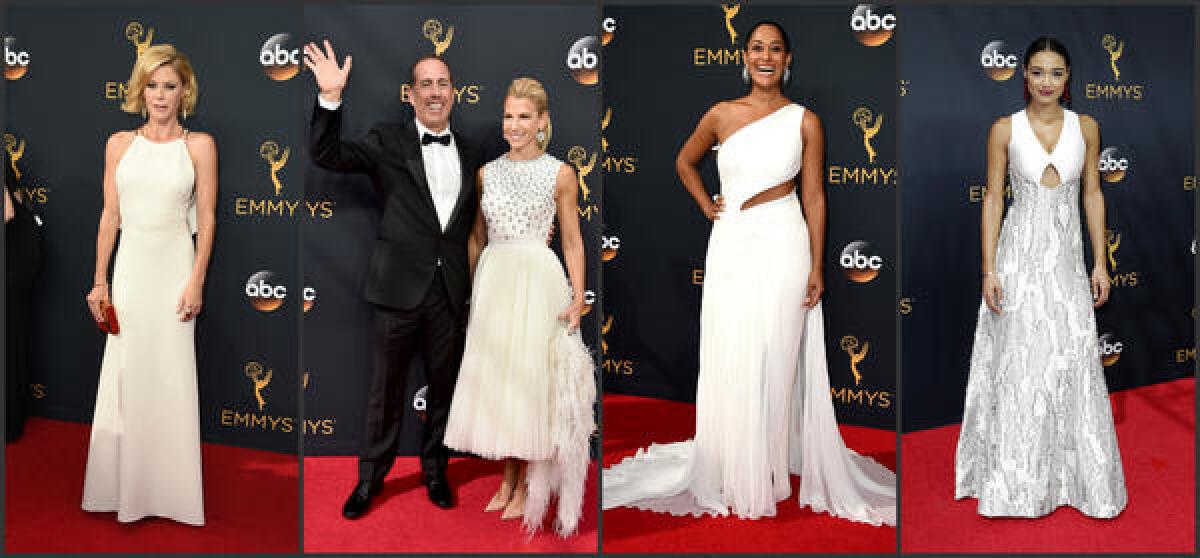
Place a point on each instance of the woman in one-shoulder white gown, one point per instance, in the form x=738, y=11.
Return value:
x=763, y=407
x=160, y=187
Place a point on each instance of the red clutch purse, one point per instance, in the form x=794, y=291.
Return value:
x=110, y=324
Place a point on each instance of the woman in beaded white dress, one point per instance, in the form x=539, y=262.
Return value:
x=763, y=406
x=1037, y=430
x=527, y=385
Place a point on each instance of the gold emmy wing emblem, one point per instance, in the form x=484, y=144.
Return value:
x=432, y=29
x=862, y=118
x=1113, y=240
x=306, y=380
x=1114, y=48
x=730, y=11
x=254, y=371
x=604, y=329
x=576, y=155
x=134, y=32
x=269, y=151
x=604, y=126
x=850, y=345
x=15, y=150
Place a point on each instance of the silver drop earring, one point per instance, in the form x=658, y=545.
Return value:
x=745, y=75
x=787, y=76
x=541, y=136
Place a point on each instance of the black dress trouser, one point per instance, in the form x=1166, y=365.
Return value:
x=433, y=328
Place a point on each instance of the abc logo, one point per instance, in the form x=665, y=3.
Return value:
x=860, y=262
x=870, y=27
x=998, y=65
x=309, y=295
x=1113, y=164
x=263, y=295
x=279, y=62
x=589, y=299
x=419, y=404
x=608, y=247
x=16, y=62
x=1110, y=350
x=608, y=28
x=583, y=60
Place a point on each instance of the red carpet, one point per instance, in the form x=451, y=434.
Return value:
x=633, y=422
x=250, y=501
x=401, y=518
x=1155, y=432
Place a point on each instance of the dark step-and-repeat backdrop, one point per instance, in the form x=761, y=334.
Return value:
x=1132, y=69
x=66, y=84
x=486, y=47
x=664, y=67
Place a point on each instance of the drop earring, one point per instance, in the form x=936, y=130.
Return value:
x=745, y=75
x=541, y=136
x=787, y=76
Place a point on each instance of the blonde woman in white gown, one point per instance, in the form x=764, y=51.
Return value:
x=763, y=408
x=526, y=387
x=160, y=188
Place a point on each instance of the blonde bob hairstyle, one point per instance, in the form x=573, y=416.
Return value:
x=531, y=89
x=150, y=60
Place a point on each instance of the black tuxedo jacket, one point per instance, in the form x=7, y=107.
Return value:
x=410, y=245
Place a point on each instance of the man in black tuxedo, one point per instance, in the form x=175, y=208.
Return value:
x=417, y=276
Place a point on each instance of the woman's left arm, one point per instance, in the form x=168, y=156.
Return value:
x=1093, y=207
x=203, y=151
x=565, y=197
x=812, y=196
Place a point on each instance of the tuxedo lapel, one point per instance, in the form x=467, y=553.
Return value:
x=415, y=163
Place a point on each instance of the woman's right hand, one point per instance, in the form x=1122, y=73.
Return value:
x=713, y=210
x=331, y=78
x=97, y=300
x=992, y=293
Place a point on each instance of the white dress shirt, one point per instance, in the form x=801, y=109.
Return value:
x=443, y=172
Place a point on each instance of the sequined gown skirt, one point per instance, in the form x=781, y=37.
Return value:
x=502, y=404
x=1037, y=430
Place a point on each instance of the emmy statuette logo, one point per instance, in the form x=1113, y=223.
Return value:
x=1114, y=48
x=578, y=157
x=16, y=150
x=604, y=126
x=432, y=30
x=862, y=118
x=16, y=61
x=604, y=329
x=850, y=344
x=269, y=151
x=614, y=161
x=1117, y=90
x=1112, y=240
x=261, y=379
x=731, y=10
x=139, y=36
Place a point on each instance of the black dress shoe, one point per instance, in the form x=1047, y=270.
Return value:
x=440, y=493
x=356, y=504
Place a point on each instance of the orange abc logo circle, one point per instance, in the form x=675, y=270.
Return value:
x=871, y=26
x=279, y=62
x=609, y=245
x=997, y=62
x=1114, y=163
x=419, y=403
x=262, y=292
x=16, y=61
x=860, y=262
x=1110, y=349
x=583, y=60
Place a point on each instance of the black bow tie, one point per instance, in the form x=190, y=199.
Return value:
x=428, y=138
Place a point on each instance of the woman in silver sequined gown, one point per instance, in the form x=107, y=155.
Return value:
x=1037, y=430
